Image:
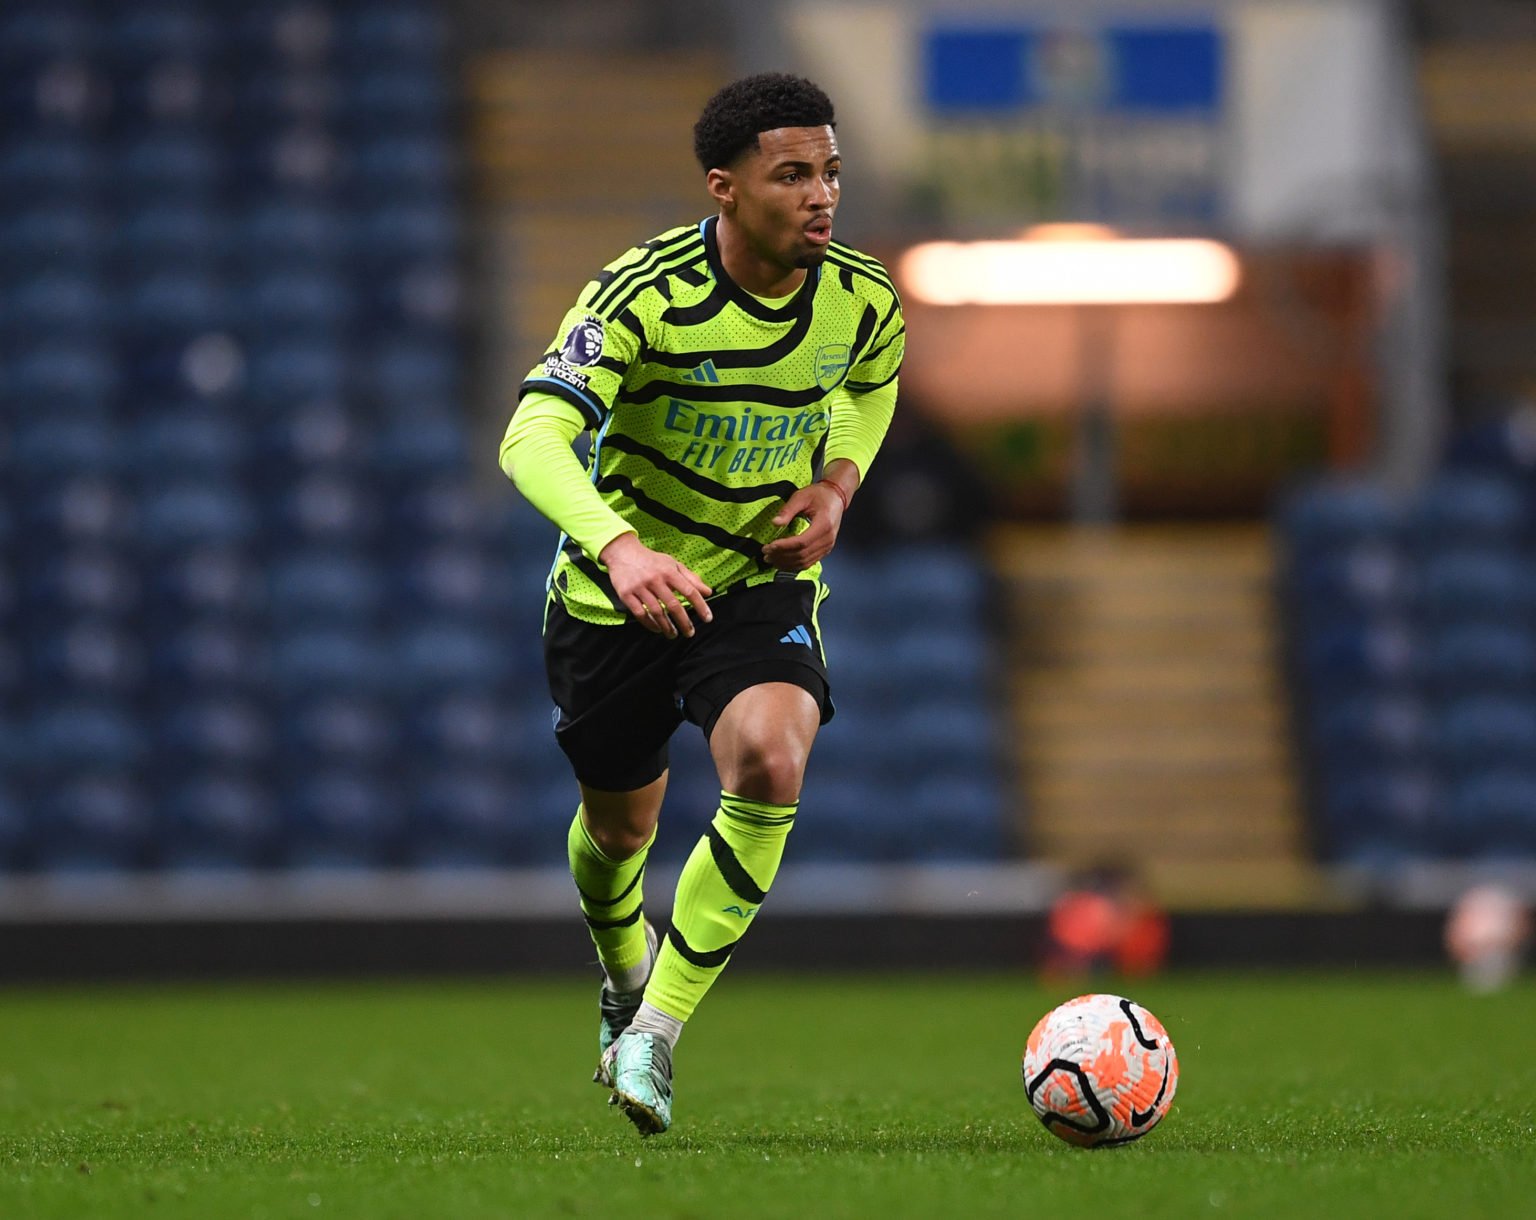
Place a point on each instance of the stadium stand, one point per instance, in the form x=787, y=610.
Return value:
x=254, y=613
x=1412, y=622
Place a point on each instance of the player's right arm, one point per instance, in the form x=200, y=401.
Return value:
x=536, y=455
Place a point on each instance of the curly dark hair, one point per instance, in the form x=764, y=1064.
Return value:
x=731, y=120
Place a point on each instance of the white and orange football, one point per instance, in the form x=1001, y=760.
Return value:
x=1100, y=1070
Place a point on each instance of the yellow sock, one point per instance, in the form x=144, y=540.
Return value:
x=612, y=900
x=721, y=888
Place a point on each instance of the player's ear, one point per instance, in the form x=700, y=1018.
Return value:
x=721, y=187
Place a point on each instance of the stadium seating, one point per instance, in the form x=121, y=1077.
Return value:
x=1412, y=627
x=254, y=612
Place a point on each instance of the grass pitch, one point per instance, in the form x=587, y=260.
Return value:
x=1309, y=1096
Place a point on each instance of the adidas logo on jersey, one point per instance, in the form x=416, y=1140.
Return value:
x=798, y=636
x=704, y=373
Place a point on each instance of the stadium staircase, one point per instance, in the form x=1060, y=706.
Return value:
x=1150, y=712
x=577, y=158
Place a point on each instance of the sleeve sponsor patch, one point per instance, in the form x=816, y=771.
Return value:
x=583, y=342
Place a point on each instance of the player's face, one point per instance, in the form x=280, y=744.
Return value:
x=782, y=196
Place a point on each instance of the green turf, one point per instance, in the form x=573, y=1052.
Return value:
x=1310, y=1096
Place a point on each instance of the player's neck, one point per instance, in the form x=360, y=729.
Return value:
x=757, y=275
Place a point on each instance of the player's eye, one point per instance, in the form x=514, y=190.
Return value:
x=792, y=176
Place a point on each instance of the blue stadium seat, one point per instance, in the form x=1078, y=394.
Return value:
x=44, y=170
x=1340, y=511
x=64, y=304
x=325, y=729
x=1486, y=583
x=316, y=435
x=73, y=736
x=168, y=93
x=344, y=819
x=399, y=33
x=449, y=580
x=948, y=658
x=469, y=818
x=167, y=166
x=84, y=580
x=161, y=233
x=219, y=581
x=1463, y=508
x=209, y=656
x=401, y=168
x=217, y=730
x=1478, y=731
x=101, y=821
x=333, y=659
x=412, y=369
x=69, y=376
x=1493, y=813
x=290, y=232
x=1343, y=653
x=1481, y=657
x=394, y=97
x=469, y=728
x=325, y=509
x=298, y=301
x=176, y=300
x=35, y=30
x=437, y=657
x=433, y=446
x=185, y=441
x=1366, y=809
x=156, y=29
x=406, y=232
x=316, y=586
x=93, y=656
x=66, y=236
x=955, y=815
x=266, y=39
x=218, y=819
x=281, y=374
x=50, y=449
x=1372, y=726
x=201, y=513
x=439, y=510
x=80, y=508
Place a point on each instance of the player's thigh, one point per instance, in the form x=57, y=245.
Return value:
x=615, y=709
x=762, y=740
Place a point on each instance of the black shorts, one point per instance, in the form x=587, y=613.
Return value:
x=621, y=691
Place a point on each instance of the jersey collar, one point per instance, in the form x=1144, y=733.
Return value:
x=798, y=304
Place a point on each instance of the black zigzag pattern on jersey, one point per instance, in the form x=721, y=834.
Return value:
x=864, y=387
x=731, y=869
x=886, y=346
x=846, y=256
x=678, y=521
x=698, y=957
x=862, y=338
x=611, y=283
x=742, y=358
x=622, y=296
x=595, y=574
x=767, y=395
x=706, y=310
x=695, y=481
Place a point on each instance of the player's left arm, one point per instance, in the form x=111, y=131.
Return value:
x=859, y=423
x=861, y=410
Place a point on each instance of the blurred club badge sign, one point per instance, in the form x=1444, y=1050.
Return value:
x=1119, y=123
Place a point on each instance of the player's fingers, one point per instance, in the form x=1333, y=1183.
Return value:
x=793, y=507
x=645, y=613
x=695, y=590
x=674, y=616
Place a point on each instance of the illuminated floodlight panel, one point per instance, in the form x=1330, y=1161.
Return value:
x=1097, y=271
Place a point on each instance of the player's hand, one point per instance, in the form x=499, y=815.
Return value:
x=822, y=507
x=650, y=584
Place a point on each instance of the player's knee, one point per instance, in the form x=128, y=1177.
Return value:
x=619, y=840
x=770, y=770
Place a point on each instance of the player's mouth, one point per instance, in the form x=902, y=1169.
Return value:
x=819, y=231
